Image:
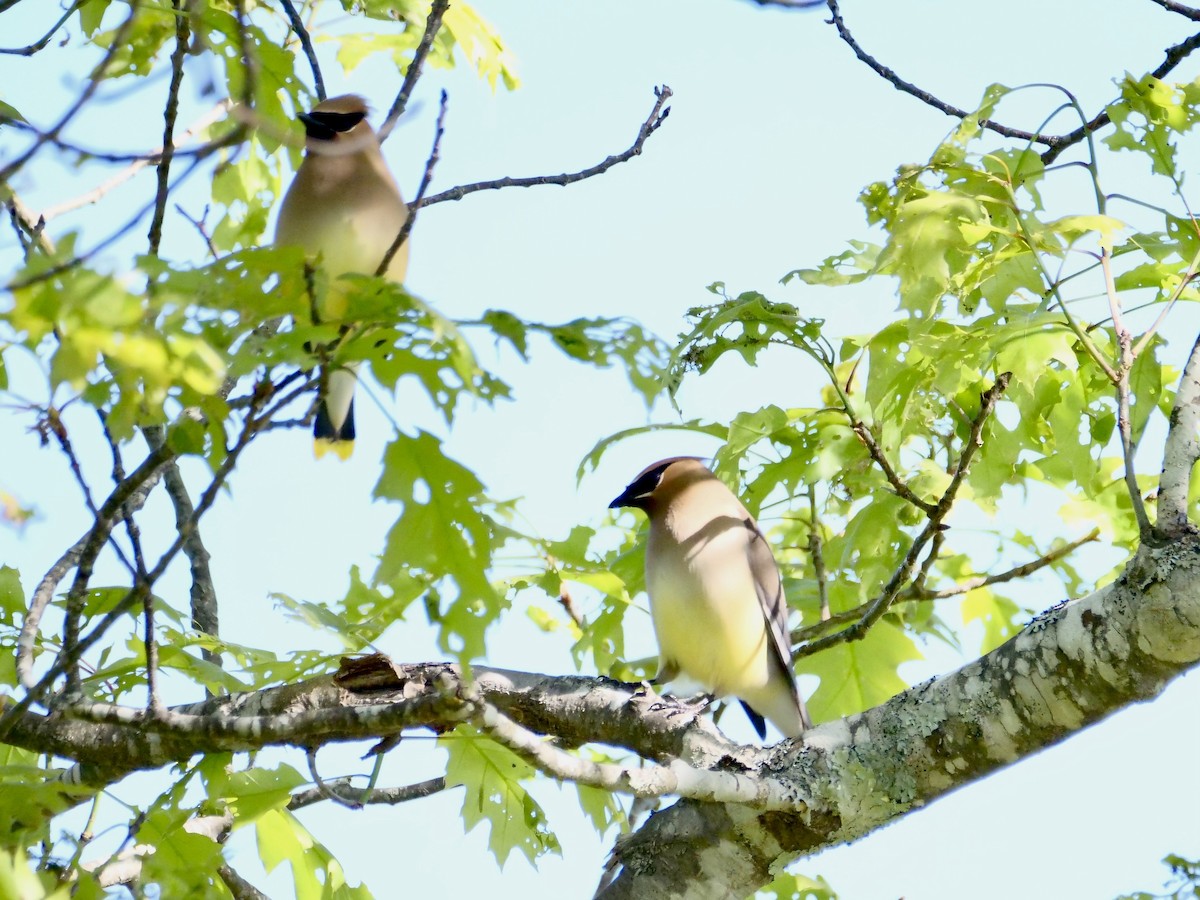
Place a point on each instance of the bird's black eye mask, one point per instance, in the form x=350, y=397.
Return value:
x=637, y=494
x=324, y=126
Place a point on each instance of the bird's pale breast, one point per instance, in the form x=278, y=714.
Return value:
x=704, y=605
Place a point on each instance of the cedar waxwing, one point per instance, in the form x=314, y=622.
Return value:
x=716, y=596
x=344, y=207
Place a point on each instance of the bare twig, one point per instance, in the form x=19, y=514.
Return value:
x=1012, y=574
x=205, y=617
x=96, y=248
x=182, y=33
x=657, y=116
x=790, y=4
x=306, y=43
x=33, y=48
x=432, y=24
x=201, y=226
x=344, y=792
x=817, y=556
x=1185, y=11
x=235, y=134
x=1186, y=279
x=97, y=77
x=1055, y=144
x=140, y=162
x=70, y=655
x=924, y=96
x=1124, y=366
x=44, y=592
x=411, y=218
x=895, y=585
x=327, y=793
x=902, y=490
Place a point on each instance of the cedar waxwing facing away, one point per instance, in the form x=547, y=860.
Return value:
x=716, y=597
x=344, y=207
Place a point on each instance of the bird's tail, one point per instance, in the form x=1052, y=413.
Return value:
x=333, y=429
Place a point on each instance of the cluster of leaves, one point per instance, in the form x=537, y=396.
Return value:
x=210, y=351
x=988, y=281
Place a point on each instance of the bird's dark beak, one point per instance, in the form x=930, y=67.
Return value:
x=623, y=500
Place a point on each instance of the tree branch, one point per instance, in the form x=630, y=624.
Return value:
x=1055, y=144
x=342, y=788
x=1185, y=11
x=657, y=116
x=1124, y=367
x=37, y=45
x=1094, y=656
x=1181, y=450
x=411, y=218
x=182, y=33
x=880, y=605
x=94, y=82
x=205, y=615
x=433, y=23
x=306, y=42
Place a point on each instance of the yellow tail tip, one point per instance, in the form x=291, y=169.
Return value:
x=341, y=449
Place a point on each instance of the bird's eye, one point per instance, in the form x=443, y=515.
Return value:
x=645, y=485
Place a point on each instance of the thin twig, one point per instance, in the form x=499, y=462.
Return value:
x=92, y=196
x=1012, y=574
x=1188, y=277
x=1124, y=367
x=432, y=25
x=201, y=226
x=94, y=82
x=817, y=556
x=323, y=789
x=33, y=48
x=657, y=116
x=411, y=218
x=69, y=657
x=895, y=585
x=69, y=264
x=182, y=33
x=902, y=490
x=1185, y=11
x=389, y=795
x=924, y=96
x=235, y=134
x=1055, y=144
x=306, y=43
x=205, y=616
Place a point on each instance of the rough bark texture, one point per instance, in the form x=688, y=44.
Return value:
x=1070, y=667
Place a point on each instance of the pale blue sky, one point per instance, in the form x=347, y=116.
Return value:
x=774, y=129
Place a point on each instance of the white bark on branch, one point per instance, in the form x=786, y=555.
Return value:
x=1182, y=449
x=1070, y=667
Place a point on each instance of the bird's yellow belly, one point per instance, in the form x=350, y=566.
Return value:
x=710, y=626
